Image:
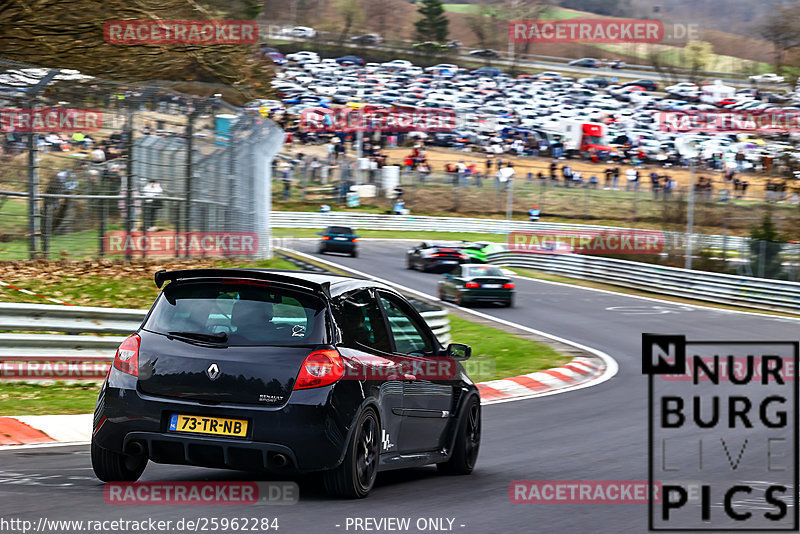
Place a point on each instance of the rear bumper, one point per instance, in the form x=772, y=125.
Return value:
x=171, y=448
x=338, y=246
x=486, y=295
x=307, y=431
x=441, y=265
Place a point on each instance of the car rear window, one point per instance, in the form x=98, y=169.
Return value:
x=340, y=230
x=249, y=313
x=484, y=271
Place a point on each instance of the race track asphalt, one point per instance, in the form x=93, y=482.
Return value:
x=597, y=433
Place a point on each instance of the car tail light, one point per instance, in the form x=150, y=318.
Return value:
x=472, y=284
x=127, y=357
x=354, y=240
x=320, y=368
x=326, y=237
x=508, y=286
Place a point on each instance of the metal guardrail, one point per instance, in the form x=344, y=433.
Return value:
x=82, y=357
x=298, y=219
x=773, y=295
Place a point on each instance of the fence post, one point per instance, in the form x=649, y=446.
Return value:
x=34, y=217
x=187, y=210
x=34, y=226
x=129, y=211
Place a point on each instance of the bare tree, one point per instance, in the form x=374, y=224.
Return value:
x=69, y=34
x=482, y=26
x=782, y=29
x=379, y=13
x=525, y=10
x=352, y=15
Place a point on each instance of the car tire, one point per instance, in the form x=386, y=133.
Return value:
x=441, y=294
x=354, y=254
x=355, y=476
x=468, y=442
x=510, y=302
x=459, y=300
x=409, y=264
x=110, y=466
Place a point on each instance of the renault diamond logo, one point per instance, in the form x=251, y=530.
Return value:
x=213, y=371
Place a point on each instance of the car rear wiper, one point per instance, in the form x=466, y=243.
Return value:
x=219, y=337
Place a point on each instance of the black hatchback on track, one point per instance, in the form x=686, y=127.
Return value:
x=285, y=371
x=338, y=239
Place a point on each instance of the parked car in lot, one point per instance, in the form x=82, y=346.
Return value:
x=485, y=52
x=349, y=60
x=594, y=82
x=586, y=62
x=429, y=46
x=487, y=71
x=303, y=56
x=649, y=85
x=442, y=68
x=472, y=282
x=397, y=64
x=300, y=31
x=288, y=372
x=429, y=257
x=367, y=39
x=769, y=77
x=338, y=239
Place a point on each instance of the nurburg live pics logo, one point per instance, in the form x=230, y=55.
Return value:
x=726, y=441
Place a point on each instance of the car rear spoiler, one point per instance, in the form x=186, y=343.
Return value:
x=269, y=276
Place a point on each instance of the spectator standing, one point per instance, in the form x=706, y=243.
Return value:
x=152, y=203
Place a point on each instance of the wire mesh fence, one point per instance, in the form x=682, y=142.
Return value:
x=92, y=168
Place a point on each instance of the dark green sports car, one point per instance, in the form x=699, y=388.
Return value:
x=470, y=283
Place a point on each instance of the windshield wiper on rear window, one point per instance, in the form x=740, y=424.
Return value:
x=219, y=337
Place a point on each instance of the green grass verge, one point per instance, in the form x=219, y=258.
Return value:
x=497, y=354
x=41, y=399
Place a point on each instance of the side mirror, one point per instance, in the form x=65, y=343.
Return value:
x=459, y=351
x=447, y=275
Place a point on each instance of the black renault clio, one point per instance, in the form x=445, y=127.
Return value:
x=285, y=371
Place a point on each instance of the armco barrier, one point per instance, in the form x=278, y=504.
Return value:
x=745, y=291
x=79, y=356
x=371, y=221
